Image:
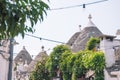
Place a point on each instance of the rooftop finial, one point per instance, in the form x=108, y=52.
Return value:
x=89, y=17
x=24, y=47
x=90, y=23
x=42, y=48
x=80, y=27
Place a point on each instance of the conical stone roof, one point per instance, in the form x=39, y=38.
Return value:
x=73, y=38
x=24, y=56
x=41, y=56
x=78, y=42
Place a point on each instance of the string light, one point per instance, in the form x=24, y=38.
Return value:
x=58, y=41
x=83, y=5
x=45, y=39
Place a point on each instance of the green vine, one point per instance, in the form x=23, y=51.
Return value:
x=72, y=65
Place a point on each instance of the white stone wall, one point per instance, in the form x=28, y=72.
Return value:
x=107, y=47
x=107, y=76
x=116, y=42
x=4, y=62
x=3, y=68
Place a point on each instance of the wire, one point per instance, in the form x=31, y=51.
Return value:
x=96, y=2
x=60, y=41
x=45, y=39
x=65, y=8
x=78, y=5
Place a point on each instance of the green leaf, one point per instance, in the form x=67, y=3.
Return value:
x=14, y=16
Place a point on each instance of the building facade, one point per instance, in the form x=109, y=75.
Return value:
x=111, y=48
x=78, y=41
x=109, y=44
x=23, y=64
x=20, y=65
x=4, y=59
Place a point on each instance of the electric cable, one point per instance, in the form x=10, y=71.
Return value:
x=45, y=39
x=84, y=5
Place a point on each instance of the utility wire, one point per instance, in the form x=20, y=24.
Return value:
x=40, y=38
x=45, y=39
x=78, y=5
x=61, y=9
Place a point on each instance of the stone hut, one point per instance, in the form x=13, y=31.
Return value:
x=41, y=56
x=20, y=65
x=24, y=56
x=78, y=41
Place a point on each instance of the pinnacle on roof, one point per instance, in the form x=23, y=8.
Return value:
x=23, y=55
x=42, y=48
x=90, y=23
x=89, y=17
x=40, y=57
x=24, y=48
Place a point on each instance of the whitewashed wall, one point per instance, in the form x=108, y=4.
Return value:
x=4, y=59
x=3, y=68
x=107, y=47
x=108, y=77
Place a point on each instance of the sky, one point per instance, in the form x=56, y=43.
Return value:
x=60, y=25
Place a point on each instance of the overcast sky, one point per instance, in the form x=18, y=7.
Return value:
x=60, y=25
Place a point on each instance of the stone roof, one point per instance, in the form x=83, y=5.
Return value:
x=109, y=36
x=79, y=39
x=73, y=38
x=39, y=57
x=24, y=56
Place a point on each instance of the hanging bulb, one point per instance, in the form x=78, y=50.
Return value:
x=83, y=5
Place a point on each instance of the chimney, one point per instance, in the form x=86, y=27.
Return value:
x=106, y=45
x=118, y=34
